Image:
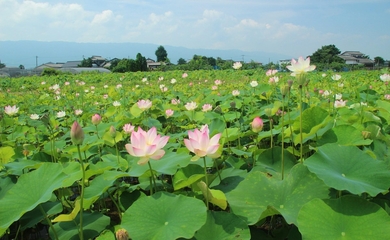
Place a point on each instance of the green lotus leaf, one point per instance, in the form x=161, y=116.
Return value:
x=223, y=225
x=164, y=216
x=260, y=195
x=349, y=217
x=32, y=189
x=348, y=168
x=344, y=135
x=168, y=164
x=93, y=224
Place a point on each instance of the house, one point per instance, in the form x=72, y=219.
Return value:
x=50, y=65
x=151, y=64
x=356, y=58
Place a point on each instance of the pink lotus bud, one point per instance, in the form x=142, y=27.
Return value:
x=122, y=234
x=96, y=119
x=257, y=124
x=76, y=134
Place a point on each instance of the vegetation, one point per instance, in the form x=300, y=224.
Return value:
x=229, y=154
x=327, y=58
x=161, y=54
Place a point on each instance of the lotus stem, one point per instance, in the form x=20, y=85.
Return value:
x=82, y=193
x=153, y=180
x=207, y=183
x=48, y=221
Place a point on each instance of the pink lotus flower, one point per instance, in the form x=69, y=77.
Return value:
x=271, y=72
x=191, y=106
x=301, y=66
x=144, y=104
x=96, y=119
x=207, y=107
x=146, y=145
x=11, y=110
x=128, y=128
x=387, y=96
x=175, y=101
x=257, y=124
x=78, y=112
x=169, y=113
x=336, y=77
x=214, y=88
x=218, y=82
x=339, y=103
x=200, y=143
x=235, y=92
x=184, y=75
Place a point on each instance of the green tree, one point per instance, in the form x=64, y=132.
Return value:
x=86, y=62
x=21, y=66
x=141, y=64
x=212, y=61
x=181, y=61
x=2, y=65
x=114, y=63
x=325, y=56
x=161, y=54
x=379, y=61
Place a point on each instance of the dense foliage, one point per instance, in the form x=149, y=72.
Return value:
x=231, y=154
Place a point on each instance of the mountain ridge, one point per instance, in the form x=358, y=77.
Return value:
x=34, y=53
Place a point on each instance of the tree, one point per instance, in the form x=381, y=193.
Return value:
x=379, y=61
x=326, y=55
x=86, y=62
x=161, y=54
x=21, y=66
x=181, y=61
x=141, y=63
x=2, y=65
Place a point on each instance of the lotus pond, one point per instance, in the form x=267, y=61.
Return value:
x=233, y=154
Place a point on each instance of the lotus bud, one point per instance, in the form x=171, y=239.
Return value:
x=76, y=134
x=257, y=124
x=233, y=105
x=290, y=83
x=268, y=112
x=284, y=89
x=112, y=132
x=122, y=234
x=96, y=119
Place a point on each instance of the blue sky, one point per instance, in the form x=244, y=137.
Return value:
x=292, y=27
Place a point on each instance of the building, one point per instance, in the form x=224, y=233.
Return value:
x=356, y=58
x=151, y=64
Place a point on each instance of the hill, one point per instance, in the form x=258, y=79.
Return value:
x=32, y=53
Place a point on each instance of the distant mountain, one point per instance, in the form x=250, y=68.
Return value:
x=32, y=53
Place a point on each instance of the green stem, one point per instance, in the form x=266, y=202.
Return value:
x=283, y=138
x=300, y=123
x=48, y=221
x=117, y=152
x=152, y=177
x=207, y=182
x=82, y=193
x=216, y=166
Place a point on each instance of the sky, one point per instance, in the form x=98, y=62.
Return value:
x=291, y=27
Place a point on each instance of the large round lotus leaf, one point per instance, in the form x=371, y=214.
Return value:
x=348, y=168
x=32, y=189
x=261, y=195
x=349, y=217
x=223, y=225
x=164, y=216
x=344, y=135
x=93, y=224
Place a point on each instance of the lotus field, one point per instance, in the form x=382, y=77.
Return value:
x=232, y=154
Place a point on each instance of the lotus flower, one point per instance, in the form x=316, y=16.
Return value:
x=237, y=65
x=146, y=145
x=144, y=104
x=191, y=106
x=11, y=110
x=339, y=103
x=200, y=143
x=301, y=66
x=128, y=128
x=169, y=113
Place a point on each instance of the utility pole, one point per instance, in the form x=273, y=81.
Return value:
x=36, y=61
x=243, y=58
